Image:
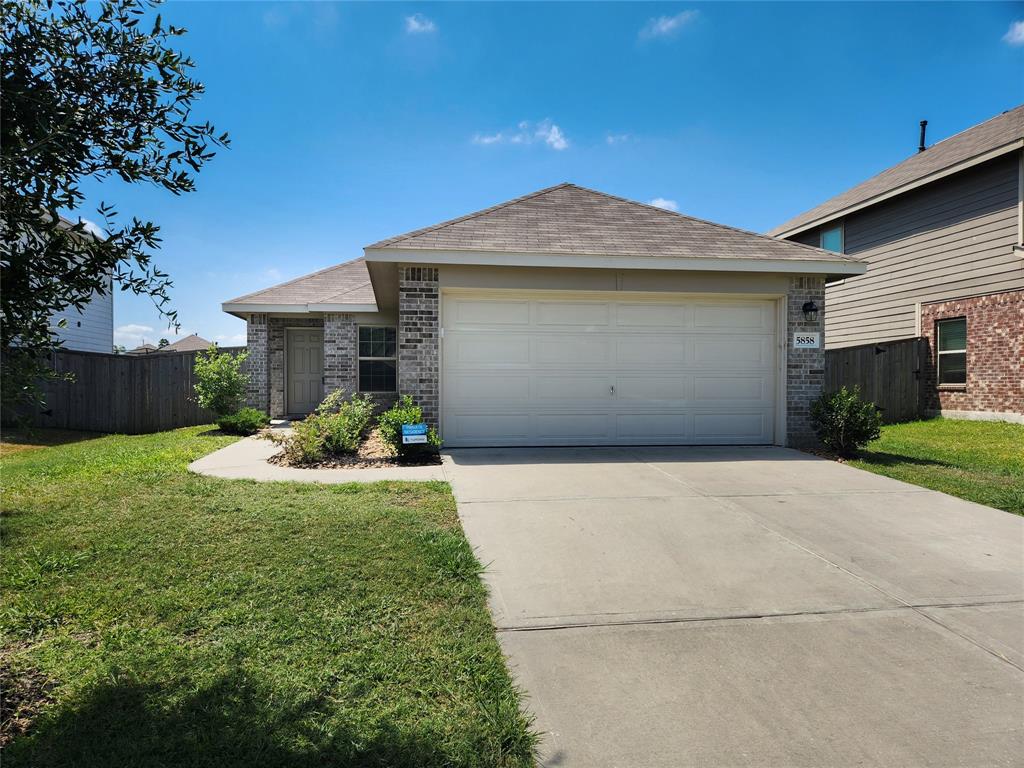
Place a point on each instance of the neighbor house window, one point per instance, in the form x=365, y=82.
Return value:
x=378, y=364
x=953, y=351
x=832, y=239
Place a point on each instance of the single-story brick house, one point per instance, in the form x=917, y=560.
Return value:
x=564, y=317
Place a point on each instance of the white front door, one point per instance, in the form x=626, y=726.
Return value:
x=529, y=368
x=305, y=369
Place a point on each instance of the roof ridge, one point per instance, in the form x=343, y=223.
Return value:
x=239, y=299
x=713, y=223
x=435, y=227
x=326, y=299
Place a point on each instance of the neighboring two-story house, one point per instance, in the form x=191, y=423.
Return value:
x=942, y=233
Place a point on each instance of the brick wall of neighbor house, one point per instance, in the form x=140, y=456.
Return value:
x=257, y=392
x=418, y=323
x=995, y=355
x=805, y=368
x=340, y=353
x=275, y=345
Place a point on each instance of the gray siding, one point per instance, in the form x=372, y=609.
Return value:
x=92, y=329
x=950, y=239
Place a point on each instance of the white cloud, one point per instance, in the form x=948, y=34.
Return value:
x=230, y=340
x=661, y=202
x=132, y=334
x=666, y=26
x=553, y=136
x=526, y=132
x=273, y=274
x=616, y=138
x=418, y=24
x=1015, y=34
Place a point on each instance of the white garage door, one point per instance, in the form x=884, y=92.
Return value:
x=554, y=369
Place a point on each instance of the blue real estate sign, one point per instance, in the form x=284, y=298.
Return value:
x=414, y=433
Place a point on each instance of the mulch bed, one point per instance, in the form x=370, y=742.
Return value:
x=25, y=693
x=374, y=452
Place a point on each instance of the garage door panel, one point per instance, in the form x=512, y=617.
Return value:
x=542, y=371
x=478, y=427
x=656, y=316
x=654, y=388
x=729, y=425
x=572, y=387
x=571, y=426
x=567, y=313
x=504, y=387
x=488, y=350
x=655, y=351
x=491, y=313
x=573, y=349
x=737, y=316
x=749, y=388
x=733, y=352
x=650, y=427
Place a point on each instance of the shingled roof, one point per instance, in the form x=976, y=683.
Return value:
x=573, y=220
x=1001, y=131
x=342, y=284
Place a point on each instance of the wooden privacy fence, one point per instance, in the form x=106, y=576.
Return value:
x=133, y=394
x=888, y=373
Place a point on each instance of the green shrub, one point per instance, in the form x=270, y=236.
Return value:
x=390, y=424
x=247, y=421
x=305, y=445
x=844, y=422
x=220, y=382
x=337, y=426
x=344, y=422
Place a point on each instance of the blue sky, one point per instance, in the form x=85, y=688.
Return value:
x=354, y=122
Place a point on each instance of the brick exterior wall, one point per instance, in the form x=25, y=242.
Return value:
x=275, y=346
x=341, y=353
x=418, y=342
x=257, y=392
x=805, y=368
x=995, y=355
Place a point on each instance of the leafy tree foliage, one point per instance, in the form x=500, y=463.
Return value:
x=89, y=91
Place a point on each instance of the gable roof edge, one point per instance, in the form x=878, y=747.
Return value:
x=781, y=233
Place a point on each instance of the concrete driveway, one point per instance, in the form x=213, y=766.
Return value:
x=748, y=607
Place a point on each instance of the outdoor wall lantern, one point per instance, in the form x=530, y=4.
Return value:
x=810, y=311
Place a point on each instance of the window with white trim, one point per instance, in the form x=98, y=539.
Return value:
x=832, y=239
x=952, y=350
x=378, y=358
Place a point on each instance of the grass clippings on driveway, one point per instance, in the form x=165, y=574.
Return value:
x=981, y=461
x=187, y=620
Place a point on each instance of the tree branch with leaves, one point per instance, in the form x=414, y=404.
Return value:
x=89, y=91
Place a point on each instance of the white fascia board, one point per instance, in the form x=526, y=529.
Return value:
x=961, y=166
x=296, y=309
x=510, y=259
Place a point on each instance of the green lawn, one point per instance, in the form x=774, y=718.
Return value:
x=980, y=461
x=182, y=620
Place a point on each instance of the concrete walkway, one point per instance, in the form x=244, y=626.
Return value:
x=748, y=607
x=247, y=460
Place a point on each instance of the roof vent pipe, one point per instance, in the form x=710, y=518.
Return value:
x=924, y=127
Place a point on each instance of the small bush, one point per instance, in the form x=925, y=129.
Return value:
x=247, y=421
x=390, y=424
x=844, y=422
x=220, y=382
x=306, y=443
x=343, y=423
x=337, y=426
